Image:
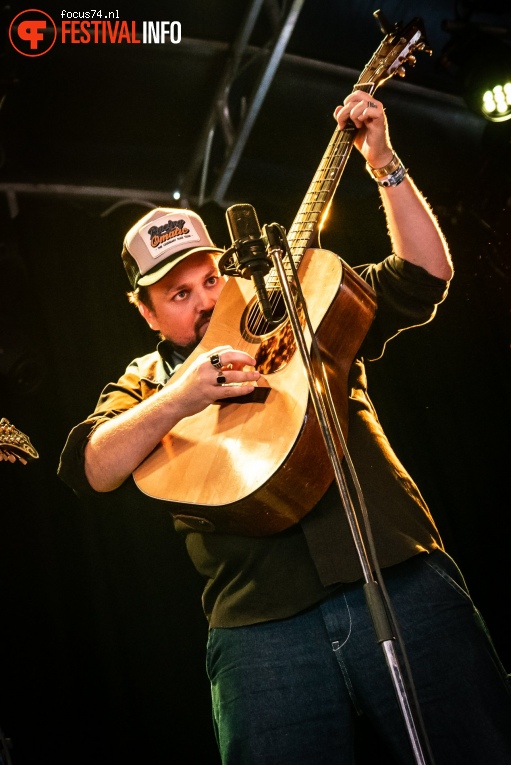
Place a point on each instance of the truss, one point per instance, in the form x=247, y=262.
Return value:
x=219, y=136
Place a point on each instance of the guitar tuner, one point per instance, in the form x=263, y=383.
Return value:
x=15, y=445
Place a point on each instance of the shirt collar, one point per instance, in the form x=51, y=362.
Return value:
x=170, y=360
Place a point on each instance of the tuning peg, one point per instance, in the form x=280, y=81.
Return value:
x=424, y=48
x=401, y=72
x=411, y=60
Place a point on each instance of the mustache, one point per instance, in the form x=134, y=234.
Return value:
x=203, y=317
x=185, y=350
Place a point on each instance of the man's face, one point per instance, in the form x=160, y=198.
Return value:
x=183, y=300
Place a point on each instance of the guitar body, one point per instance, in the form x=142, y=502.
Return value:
x=251, y=466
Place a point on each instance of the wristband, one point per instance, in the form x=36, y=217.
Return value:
x=390, y=175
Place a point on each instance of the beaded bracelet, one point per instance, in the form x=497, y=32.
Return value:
x=390, y=175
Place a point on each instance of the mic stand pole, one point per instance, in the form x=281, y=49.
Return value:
x=277, y=244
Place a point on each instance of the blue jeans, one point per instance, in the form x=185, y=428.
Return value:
x=287, y=692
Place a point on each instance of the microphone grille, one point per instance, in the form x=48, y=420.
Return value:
x=242, y=222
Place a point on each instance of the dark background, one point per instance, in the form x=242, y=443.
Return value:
x=102, y=634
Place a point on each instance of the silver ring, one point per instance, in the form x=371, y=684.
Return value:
x=372, y=105
x=215, y=360
x=220, y=379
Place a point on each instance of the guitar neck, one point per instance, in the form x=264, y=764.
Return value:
x=305, y=227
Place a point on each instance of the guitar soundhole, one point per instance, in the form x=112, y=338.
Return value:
x=276, y=339
x=257, y=325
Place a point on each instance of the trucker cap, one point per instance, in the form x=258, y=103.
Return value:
x=160, y=240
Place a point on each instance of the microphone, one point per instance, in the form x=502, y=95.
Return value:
x=249, y=250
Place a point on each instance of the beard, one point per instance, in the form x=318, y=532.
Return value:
x=198, y=334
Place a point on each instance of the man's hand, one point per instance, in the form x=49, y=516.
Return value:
x=368, y=115
x=221, y=373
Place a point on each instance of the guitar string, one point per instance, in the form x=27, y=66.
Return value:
x=308, y=216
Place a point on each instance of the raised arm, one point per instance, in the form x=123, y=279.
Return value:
x=413, y=229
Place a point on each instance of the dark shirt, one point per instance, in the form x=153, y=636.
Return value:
x=255, y=579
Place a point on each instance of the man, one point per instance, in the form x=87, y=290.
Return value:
x=292, y=655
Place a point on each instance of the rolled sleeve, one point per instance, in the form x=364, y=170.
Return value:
x=71, y=467
x=406, y=295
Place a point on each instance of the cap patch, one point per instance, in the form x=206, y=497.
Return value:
x=167, y=234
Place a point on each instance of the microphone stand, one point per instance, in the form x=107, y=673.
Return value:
x=325, y=411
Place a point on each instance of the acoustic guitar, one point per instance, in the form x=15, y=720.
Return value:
x=257, y=465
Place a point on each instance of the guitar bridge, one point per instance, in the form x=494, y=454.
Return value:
x=258, y=396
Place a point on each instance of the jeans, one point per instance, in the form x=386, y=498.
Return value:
x=288, y=692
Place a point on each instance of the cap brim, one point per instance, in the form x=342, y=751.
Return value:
x=155, y=276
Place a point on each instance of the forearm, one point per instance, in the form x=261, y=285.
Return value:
x=118, y=446
x=413, y=229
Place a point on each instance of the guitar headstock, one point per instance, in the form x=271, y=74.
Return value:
x=15, y=445
x=395, y=52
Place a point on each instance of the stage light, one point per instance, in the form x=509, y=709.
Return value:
x=488, y=82
x=481, y=63
x=496, y=105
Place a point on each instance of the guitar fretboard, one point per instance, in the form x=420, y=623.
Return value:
x=315, y=203
x=320, y=192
